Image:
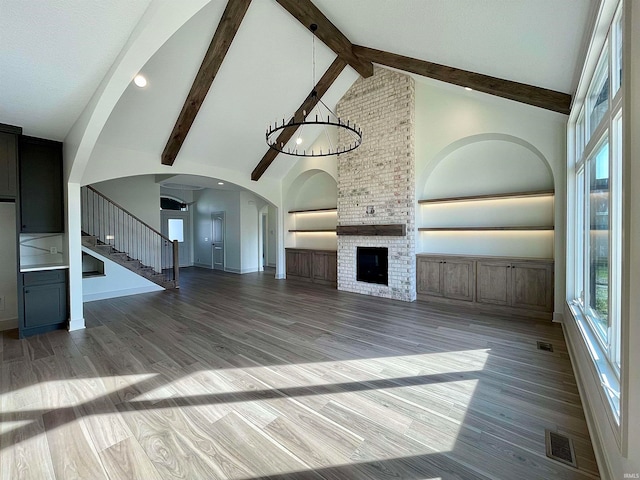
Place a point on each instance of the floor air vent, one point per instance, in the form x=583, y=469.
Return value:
x=546, y=346
x=560, y=447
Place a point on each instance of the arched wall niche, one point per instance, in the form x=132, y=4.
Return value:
x=485, y=164
x=311, y=190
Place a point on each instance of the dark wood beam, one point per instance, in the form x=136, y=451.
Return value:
x=310, y=102
x=520, y=92
x=222, y=38
x=307, y=13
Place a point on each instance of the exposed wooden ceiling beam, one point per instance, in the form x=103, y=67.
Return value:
x=520, y=92
x=309, y=103
x=307, y=13
x=222, y=38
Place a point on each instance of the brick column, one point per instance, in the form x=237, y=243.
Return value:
x=379, y=174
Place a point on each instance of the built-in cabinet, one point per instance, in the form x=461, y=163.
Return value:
x=31, y=175
x=8, y=162
x=41, y=193
x=518, y=284
x=446, y=277
x=318, y=266
x=500, y=284
x=44, y=297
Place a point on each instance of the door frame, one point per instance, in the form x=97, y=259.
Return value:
x=188, y=237
x=224, y=240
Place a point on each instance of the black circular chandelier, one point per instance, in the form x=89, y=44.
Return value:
x=280, y=135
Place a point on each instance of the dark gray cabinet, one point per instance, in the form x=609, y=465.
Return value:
x=41, y=194
x=8, y=162
x=45, y=301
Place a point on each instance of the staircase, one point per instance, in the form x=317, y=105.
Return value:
x=113, y=232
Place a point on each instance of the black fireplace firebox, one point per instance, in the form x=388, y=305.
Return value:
x=373, y=265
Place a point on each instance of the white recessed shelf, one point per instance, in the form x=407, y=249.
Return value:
x=315, y=210
x=493, y=196
x=485, y=229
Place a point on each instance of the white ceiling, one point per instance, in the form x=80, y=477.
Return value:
x=538, y=42
x=54, y=53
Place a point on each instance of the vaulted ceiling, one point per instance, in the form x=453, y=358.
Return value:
x=55, y=53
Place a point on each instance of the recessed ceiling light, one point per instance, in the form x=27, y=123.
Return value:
x=298, y=141
x=468, y=89
x=140, y=80
x=220, y=183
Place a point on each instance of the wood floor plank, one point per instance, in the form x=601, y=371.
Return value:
x=24, y=449
x=247, y=377
x=72, y=452
x=126, y=460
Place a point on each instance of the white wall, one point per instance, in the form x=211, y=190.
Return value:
x=272, y=235
x=209, y=201
x=9, y=262
x=242, y=254
x=140, y=195
x=116, y=282
x=249, y=233
x=470, y=143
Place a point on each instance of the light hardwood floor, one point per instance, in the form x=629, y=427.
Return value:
x=247, y=377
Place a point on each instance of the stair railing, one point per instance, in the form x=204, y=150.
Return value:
x=113, y=225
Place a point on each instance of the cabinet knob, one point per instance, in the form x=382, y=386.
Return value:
x=26, y=291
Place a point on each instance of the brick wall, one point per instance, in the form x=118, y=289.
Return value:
x=379, y=174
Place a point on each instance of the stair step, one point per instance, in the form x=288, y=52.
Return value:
x=89, y=240
x=121, y=257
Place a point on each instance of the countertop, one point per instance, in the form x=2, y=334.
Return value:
x=42, y=266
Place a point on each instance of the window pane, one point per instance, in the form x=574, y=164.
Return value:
x=580, y=234
x=598, y=275
x=598, y=96
x=617, y=51
x=580, y=137
x=176, y=230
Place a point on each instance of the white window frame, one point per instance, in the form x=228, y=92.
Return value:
x=605, y=353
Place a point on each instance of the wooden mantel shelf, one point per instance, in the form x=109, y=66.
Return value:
x=390, y=230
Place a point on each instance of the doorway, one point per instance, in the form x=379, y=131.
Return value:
x=176, y=226
x=217, y=240
x=265, y=252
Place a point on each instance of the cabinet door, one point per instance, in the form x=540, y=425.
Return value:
x=332, y=267
x=41, y=201
x=319, y=266
x=304, y=264
x=532, y=286
x=429, y=273
x=458, y=278
x=291, y=262
x=8, y=165
x=45, y=305
x=493, y=282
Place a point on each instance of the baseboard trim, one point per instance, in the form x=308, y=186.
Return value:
x=77, y=324
x=241, y=272
x=8, y=324
x=92, y=297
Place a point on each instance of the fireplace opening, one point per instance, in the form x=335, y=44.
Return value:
x=373, y=265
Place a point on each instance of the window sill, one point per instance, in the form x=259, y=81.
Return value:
x=608, y=377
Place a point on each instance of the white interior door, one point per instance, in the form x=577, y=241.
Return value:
x=217, y=240
x=176, y=226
